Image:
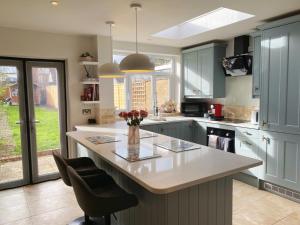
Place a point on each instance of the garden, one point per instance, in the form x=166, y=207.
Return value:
x=47, y=130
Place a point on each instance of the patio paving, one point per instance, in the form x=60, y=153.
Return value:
x=10, y=171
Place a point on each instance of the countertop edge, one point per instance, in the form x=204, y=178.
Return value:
x=173, y=188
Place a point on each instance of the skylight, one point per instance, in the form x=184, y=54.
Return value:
x=209, y=21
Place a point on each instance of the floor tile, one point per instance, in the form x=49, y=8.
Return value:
x=61, y=216
x=13, y=213
x=53, y=203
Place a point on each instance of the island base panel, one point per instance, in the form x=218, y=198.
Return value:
x=204, y=204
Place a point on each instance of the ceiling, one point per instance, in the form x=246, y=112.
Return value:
x=88, y=17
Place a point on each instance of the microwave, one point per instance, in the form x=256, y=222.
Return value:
x=194, y=108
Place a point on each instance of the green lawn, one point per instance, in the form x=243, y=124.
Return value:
x=47, y=131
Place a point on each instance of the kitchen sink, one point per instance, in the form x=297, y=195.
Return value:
x=158, y=118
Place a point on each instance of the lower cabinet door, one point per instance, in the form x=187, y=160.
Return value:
x=151, y=128
x=185, y=130
x=249, y=148
x=199, y=135
x=282, y=159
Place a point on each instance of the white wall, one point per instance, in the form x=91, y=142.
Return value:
x=32, y=44
x=106, y=87
x=146, y=48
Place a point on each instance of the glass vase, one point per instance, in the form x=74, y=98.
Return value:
x=133, y=135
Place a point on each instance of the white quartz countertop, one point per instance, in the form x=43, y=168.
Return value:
x=182, y=118
x=170, y=172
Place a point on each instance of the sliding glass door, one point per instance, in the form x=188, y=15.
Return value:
x=33, y=104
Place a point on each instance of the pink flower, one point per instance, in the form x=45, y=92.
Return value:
x=135, y=113
x=130, y=114
x=143, y=113
x=123, y=114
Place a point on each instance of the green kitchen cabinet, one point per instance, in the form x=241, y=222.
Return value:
x=190, y=71
x=280, y=90
x=185, y=130
x=256, y=65
x=199, y=133
x=203, y=75
x=150, y=127
x=248, y=143
x=281, y=159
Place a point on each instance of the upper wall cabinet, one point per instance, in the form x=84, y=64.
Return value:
x=256, y=65
x=203, y=75
x=280, y=91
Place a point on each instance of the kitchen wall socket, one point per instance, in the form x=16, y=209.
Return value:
x=86, y=111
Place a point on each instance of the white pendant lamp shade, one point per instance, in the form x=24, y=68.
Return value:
x=110, y=70
x=136, y=63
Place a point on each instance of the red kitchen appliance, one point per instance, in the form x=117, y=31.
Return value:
x=216, y=112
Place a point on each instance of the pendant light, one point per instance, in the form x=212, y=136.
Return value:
x=111, y=69
x=136, y=63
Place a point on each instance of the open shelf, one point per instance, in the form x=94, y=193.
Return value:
x=90, y=82
x=90, y=102
x=90, y=63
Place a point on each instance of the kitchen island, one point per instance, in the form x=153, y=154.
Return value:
x=188, y=187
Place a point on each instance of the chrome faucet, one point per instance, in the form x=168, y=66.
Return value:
x=155, y=108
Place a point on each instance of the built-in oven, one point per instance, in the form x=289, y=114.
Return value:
x=194, y=108
x=222, y=139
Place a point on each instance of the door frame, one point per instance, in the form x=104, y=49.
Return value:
x=23, y=124
x=30, y=157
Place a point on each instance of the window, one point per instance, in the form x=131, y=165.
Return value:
x=162, y=86
x=119, y=94
x=142, y=91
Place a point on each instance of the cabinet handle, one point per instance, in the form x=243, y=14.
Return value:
x=264, y=123
x=247, y=133
x=247, y=143
x=268, y=140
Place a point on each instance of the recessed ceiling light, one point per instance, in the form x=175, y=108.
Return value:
x=54, y=2
x=209, y=21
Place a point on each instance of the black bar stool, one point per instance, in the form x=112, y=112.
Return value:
x=99, y=196
x=84, y=166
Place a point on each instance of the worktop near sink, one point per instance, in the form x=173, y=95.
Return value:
x=171, y=119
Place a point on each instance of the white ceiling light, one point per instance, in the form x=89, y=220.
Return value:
x=54, y=2
x=136, y=63
x=209, y=21
x=111, y=69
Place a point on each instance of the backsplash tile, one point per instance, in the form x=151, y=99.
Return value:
x=238, y=112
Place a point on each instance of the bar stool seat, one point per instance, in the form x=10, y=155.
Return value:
x=98, y=197
x=84, y=166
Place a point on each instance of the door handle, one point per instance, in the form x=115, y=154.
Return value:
x=19, y=122
x=268, y=140
x=247, y=143
x=35, y=121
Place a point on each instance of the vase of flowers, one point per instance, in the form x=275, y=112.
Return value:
x=133, y=120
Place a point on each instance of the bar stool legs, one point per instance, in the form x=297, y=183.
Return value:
x=86, y=220
x=107, y=220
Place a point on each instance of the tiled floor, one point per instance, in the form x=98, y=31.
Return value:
x=53, y=203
